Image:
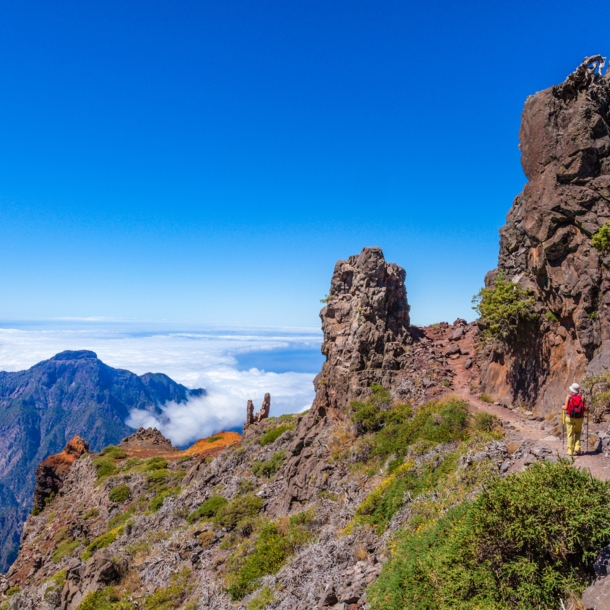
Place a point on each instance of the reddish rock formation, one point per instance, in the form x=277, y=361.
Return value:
x=51, y=472
x=145, y=440
x=251, y=418
x=366, y=327
x=546, y=246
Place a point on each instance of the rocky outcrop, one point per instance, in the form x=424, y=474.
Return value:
x=546, y=245
x=146, y=439
x=366, y=327
x=43, y=407
x=51, y=472
x=251, y=418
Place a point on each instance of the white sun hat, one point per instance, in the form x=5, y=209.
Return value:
x=574, y=388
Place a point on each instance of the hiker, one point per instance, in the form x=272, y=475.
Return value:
x=574, y=415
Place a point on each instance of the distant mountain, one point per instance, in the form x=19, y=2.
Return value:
x=42, y=408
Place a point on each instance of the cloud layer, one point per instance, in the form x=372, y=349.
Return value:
x=206, y=358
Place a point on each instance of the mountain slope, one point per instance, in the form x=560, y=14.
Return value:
x=42, y=408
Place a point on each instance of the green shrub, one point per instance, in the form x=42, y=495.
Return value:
x=106, y=599
x=601, y=239
x=272, y=548
x=486, y=398
x=207, y=509
x=503, y=307
x=269, y=467
x=526, y=541
x=551, y=317
x=485, y=422
x=157, y=502
x=245, y=486
x=157, y=478
x=12, y=591
x=241, y=507
x=171, y=597
x=104, y=467
x=65, y=549
x=92, y=512
x=129, y=464
x=113, y=452
x=213, y=439
x=155, y=463
x=101, y=542
x=264, y=598
x=119, y=494
x=369, y=416
x=272, y=435
x=121, y=518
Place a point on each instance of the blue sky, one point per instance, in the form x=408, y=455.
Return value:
x=208, y=162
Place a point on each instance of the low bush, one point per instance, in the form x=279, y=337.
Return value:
x=485, y=422
x=171, y=597
x=525, y=542
x=269, y=467
x=208, y=509
x=503, y=307
x=106, y=599
x=65, y=549
x=601, y=239
x=101, y=542
x=213, y=439
x=157, y=502
x=119, y=494
x=90, y=514
x=272, y=435
x=486, y=398
x=262, y=600
x=273, y=546
x=113, y=452
x=104, y=467
x=241, y=507
x=155, y=463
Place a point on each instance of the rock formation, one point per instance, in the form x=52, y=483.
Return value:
x=251, y=418
x=51, y=472
x=73, y=393
x=546, y=245
x=144, y=439
x=366, y=328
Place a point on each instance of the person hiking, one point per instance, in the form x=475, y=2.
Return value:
x=574, y=408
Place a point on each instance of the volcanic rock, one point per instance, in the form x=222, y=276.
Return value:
x=51, y=472
x=546, y=246
x=146, y=438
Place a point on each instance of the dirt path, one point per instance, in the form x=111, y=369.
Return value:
x=597, y=464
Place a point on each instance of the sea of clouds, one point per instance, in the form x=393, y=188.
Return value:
x=231, y=365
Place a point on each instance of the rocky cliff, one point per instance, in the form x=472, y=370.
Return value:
x=73, y=393
x=546, y=244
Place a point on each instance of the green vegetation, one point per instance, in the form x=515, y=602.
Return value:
x=398, y=427
x=155, y=463
x=601, y=239
x=264, y=598
x=245, y=486
x=90, y=514
x=119, y=494
x=213, y=439
x=272, y=435
x=130, y=464
x=269, y=467
x=104, y=467
x=113, y=452
x=65, y=549
x=208, y=509
x=326, y=299
x=238, y=509
x=157, y=502
x=172, y=596
x=551, y=317
x=121, y=518
x=106, y=599
x=486, y=398
x=526, y=541
x=485, y=422
x=598, y=388
x=275, y=543
x=101, y=542
x=502, y=307
x=592, y=315
x=12, y=591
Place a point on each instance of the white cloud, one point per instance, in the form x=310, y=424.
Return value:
x=203, y=358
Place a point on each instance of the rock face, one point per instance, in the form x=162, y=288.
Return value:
x=546, y=246
x=51, y=472
x=366, y=327
x=251, y=418
x=144, y=439
x=73, y=393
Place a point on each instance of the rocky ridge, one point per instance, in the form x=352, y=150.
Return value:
x=546, y=246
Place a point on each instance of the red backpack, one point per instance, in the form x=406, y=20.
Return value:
x=576, y=406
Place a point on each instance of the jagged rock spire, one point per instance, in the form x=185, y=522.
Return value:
x=365, y=324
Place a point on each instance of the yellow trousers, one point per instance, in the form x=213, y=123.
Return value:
x=574, y=429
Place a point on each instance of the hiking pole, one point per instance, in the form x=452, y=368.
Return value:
x=563, y=429
x=587, y=422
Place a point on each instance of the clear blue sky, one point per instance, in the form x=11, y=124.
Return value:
x=207, y=162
